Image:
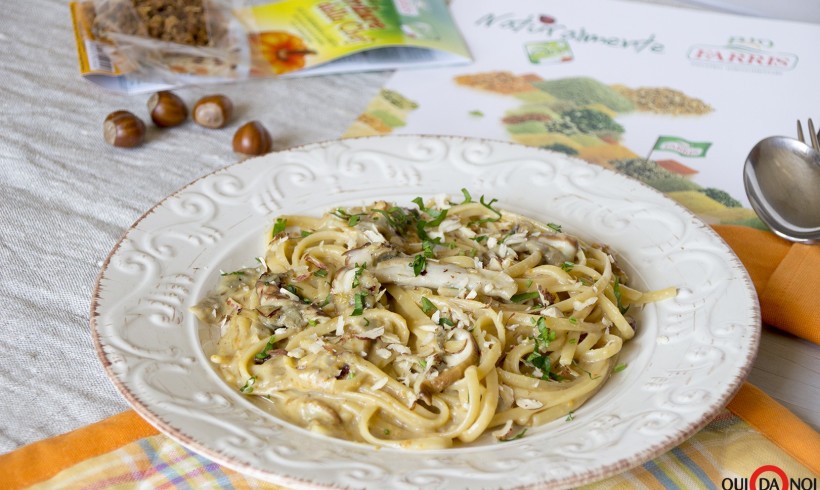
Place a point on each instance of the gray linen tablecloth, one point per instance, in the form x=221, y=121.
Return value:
x=67, y=197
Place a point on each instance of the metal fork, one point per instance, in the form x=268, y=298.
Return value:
x=812, y=134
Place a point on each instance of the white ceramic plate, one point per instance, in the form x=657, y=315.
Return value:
x=689, y=357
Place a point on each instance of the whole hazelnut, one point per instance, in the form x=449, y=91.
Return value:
x=167, y=109
x=123, y=129
x=213, y=111
x=252, y=139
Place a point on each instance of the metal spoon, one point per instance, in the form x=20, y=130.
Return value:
x=782, y=180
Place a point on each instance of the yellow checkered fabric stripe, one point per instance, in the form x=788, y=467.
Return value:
x=727, y=448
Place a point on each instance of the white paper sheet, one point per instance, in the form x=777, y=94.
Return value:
x=799, y=10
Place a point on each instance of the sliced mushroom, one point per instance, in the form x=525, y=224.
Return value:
x=376, y=222
x=567, y=245
x=371, y=231
x=269, y=282
x=437, y=275
x=370, y=254
x=457, y=363
x=280, y=310
x=556, y=249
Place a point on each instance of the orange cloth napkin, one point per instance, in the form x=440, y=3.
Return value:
x=786, y=276
x=41, y=461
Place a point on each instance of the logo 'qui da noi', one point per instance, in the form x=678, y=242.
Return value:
x=769, y=477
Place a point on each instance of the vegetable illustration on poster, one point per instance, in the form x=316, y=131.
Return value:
x=675, y=98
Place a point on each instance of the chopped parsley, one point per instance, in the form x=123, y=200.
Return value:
x=234, y=273
x=320, y=273
x=397, y=218
x=567, y=266
x=446, y=321
x=248, y=387
x=357, y=274
x=570, y=416
x=554, y=227
x=529, y=283
x=573, y=320
x=539, y=358
x=437, y=215
x=358, y=304
x=481, y=238
x=427, y=248
x=545, y=335
x=423, y=363
x=264, y=354
x=488, y=205
x=541, y=362
x=352, y=219
x=521, y=297
x=295, y=291
x=305, y=233
x=476, y=113
x=387, y=432
x=421, y=224
x=313, y=322
x=279, y=226
x=467, y=196
x=427, y=306
x=620, y=367
x=616, y=289
x=572, y=341
x=419, y=264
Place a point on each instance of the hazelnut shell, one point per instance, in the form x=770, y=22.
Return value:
x=252, y=139
x=123, y=129
x=167, y=109
x=213, y=111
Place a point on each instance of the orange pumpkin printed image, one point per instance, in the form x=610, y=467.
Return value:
x=283, y=52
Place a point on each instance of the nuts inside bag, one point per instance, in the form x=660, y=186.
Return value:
x=171, y=37
x=176, y=21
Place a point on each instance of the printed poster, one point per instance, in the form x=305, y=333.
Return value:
x=673, y=97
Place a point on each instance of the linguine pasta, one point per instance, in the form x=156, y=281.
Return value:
x=422, y=326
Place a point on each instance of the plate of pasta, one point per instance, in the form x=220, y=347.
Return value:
x=424, y=312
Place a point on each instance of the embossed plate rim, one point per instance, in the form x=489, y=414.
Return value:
x=131, y=373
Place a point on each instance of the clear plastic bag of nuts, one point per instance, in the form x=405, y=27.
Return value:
x=169, y=40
